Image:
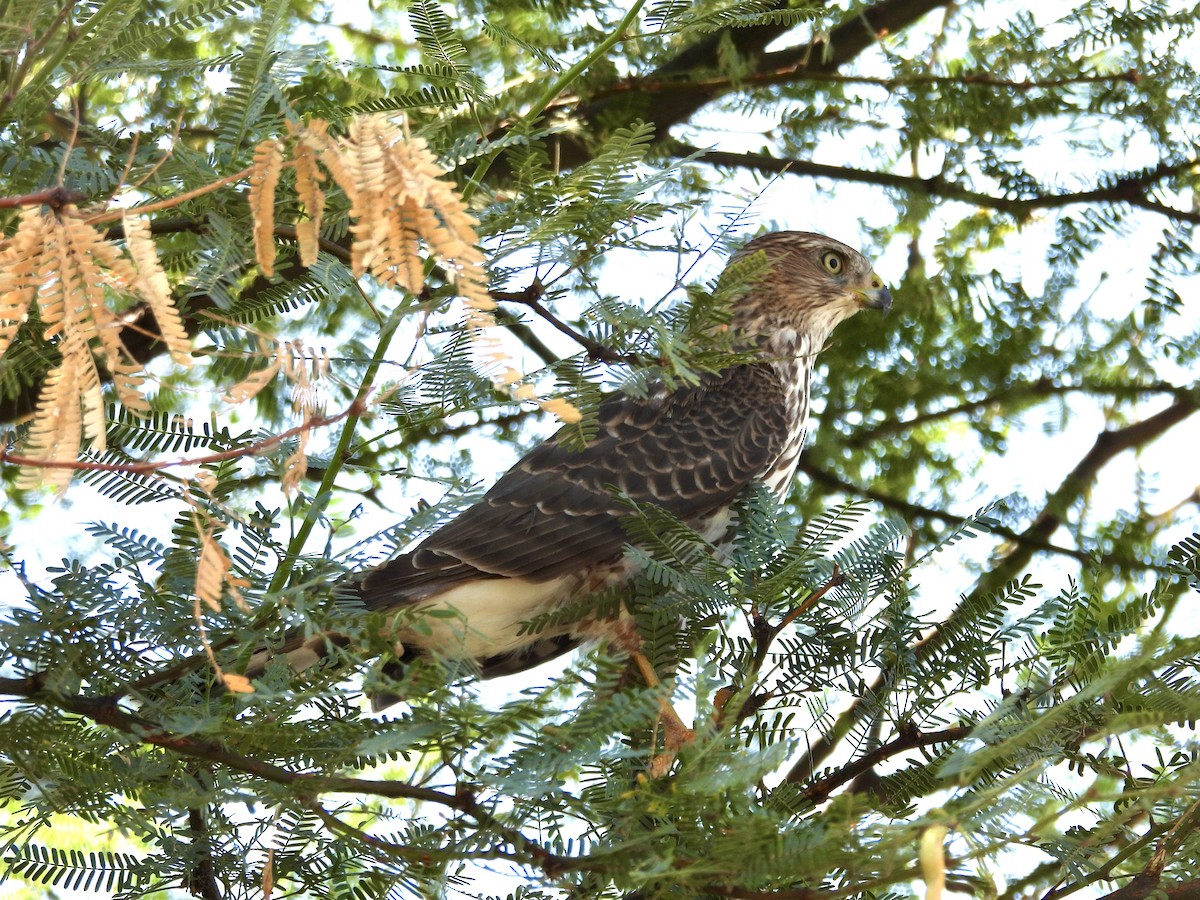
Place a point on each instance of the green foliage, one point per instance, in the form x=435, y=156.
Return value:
x=706, y=18
x=73, y=869
x=860, y=662
x=552, y=759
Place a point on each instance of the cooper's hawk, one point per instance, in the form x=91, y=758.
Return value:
x=549, y=531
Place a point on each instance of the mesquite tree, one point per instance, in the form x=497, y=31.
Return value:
x=284, y=284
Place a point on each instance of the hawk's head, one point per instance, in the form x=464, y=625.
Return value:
x=811, y=283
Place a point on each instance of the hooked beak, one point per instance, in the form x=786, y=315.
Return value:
x=877, y=296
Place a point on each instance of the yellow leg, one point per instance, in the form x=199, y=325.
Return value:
x=675, y=733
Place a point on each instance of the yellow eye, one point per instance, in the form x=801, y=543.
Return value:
x=833, y=262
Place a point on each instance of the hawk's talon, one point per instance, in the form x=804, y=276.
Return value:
x=676, y=734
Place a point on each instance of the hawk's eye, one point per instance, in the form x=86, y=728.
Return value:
x=833, y=262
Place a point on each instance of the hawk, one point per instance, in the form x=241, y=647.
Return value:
x=550, y=530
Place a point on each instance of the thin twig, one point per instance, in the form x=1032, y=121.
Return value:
x=139, y=468
x=76, y=115
x=162, y=160
x=837, y=579
x=531, y=296
x=170, y=202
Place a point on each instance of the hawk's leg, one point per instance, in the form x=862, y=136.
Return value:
x=675, y=733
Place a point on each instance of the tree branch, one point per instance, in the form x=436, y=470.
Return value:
x=201, y=879
x=596, y=351
x=55, y=198
x=794, y=73
x=859, y=32
x=1143, y=886
x=1043, y=387
x=1108, y=444
x=357, y=408
x=104, y=711
x=665, y=108
x=910, y=738
x=916, y=511
x=1131, y=188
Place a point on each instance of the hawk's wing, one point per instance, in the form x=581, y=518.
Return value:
x=690, y=452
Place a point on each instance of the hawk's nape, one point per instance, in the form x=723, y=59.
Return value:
x=549, y=531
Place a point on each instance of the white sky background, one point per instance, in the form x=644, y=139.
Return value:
x=1033, y=464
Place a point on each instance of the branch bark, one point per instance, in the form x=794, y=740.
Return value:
x=201, y=880
x=1143, y=886
x=531, y=297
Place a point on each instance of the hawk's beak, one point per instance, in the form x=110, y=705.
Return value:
x=877, y=296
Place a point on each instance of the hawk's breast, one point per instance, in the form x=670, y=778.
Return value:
x=795, y=377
